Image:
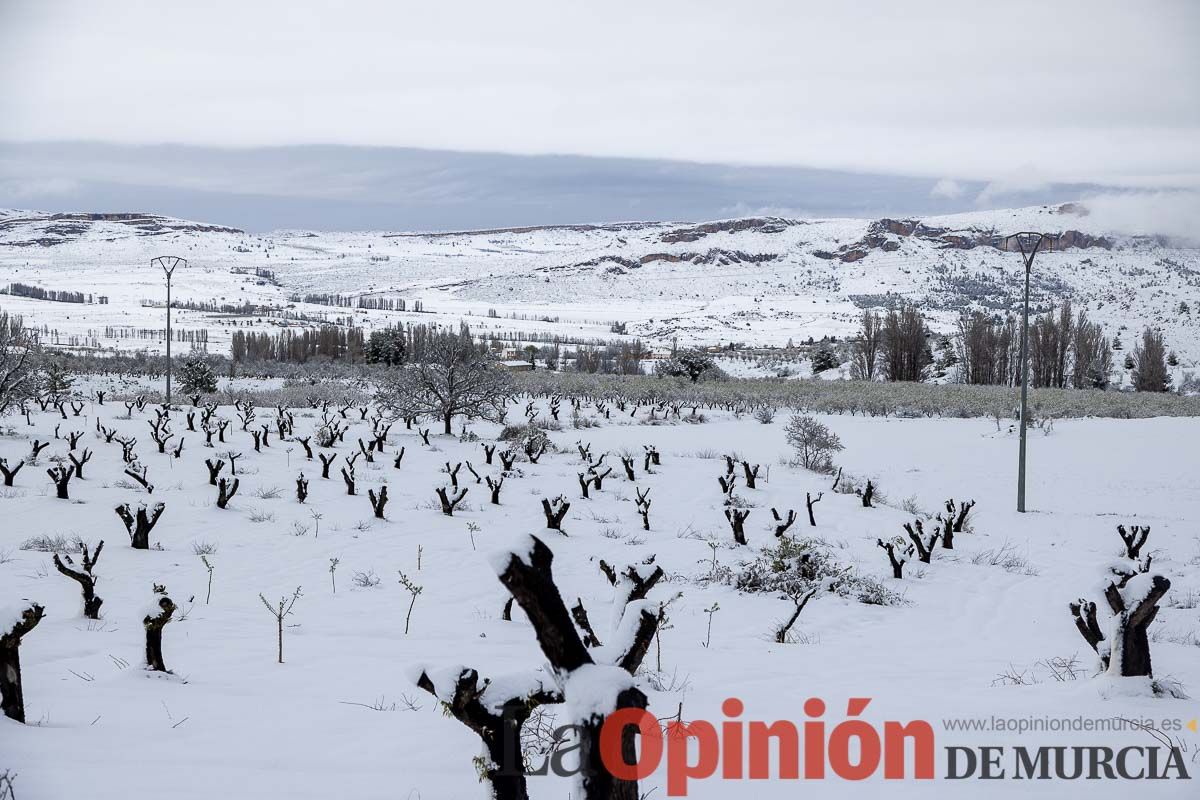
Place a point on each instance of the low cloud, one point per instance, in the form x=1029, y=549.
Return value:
x=947, y=188
x=1167, y=213
x=1023, y=181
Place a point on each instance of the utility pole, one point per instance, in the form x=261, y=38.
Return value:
x=168, y=264
x=1029, y=243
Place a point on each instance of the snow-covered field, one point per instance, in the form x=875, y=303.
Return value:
x=342, y=718
x=761, y=281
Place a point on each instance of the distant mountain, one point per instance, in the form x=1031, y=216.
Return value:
x=758, y=280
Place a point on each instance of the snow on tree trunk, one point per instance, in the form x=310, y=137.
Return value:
x=15, y=622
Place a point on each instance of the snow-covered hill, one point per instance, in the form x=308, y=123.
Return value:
x=760, y=280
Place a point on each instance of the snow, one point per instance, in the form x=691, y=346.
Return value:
x=592, y=690
x=568, y=281
x=522, y=548
x=11, y=615
x=235, y=723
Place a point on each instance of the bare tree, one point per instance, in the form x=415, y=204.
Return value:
x=497, y=720
x=529, y=578
x=15, y=623
x=140, y=525
x=1134, y=607
x=18, y=348
x=280, y=612
x=85, y=577
x=154, y=622
x=905, y=353
x=452, y=378
x=867, y=349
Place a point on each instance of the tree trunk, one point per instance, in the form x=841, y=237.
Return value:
x=12, y=700
x=598, y=782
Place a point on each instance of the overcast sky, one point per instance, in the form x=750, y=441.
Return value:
x=974, y=101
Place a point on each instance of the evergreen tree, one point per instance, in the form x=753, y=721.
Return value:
x=197, y=377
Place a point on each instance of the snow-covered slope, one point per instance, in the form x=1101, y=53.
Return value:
x=757, y=280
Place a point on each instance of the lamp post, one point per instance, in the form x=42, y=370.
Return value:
x=1029, y=243
x=168, y=264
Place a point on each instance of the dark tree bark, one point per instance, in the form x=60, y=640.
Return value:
x=500, y=733
x=555, y=511
x=534, y=453
x=214, y=469
x=449, y=503
x=960, y=515
x=378, y=501
x=801, y=602
x=154, y=624
x=141, y=478
x=9, y=474
x=643, y=506
x=495, y=486
x=226, y=491
x=84, y=577
x=810, y=502
x=782, y=524
x=1128, y=655
x=325, y=462
x=737, y=521
x=1134, y=539
x=897, y=563
x=301, y=488
x=530, y=580
x=62, y=477
x=580, y=615
x=12, y=698
x=751, y=474
x=627, y=463
x=924, y=548
x=140, y=525
x=946, y=531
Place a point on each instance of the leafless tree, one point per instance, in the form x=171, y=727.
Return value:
x=905, y=353
x=529, y=578
x=139, y=525
x=12, y=698
x=154, y=623
x=280, y=612
x=1127, y=653
x=453, y=378
x=18, y=350
x=867, y=349
x=85, y=577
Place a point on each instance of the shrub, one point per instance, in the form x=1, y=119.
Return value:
x=53, y=544
x=813, y=442
x=796, y=566
x=764, y=414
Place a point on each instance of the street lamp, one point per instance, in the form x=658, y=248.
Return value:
x=1029, y=243
x=168, y=264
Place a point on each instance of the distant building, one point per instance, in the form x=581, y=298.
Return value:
x=516, y=366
